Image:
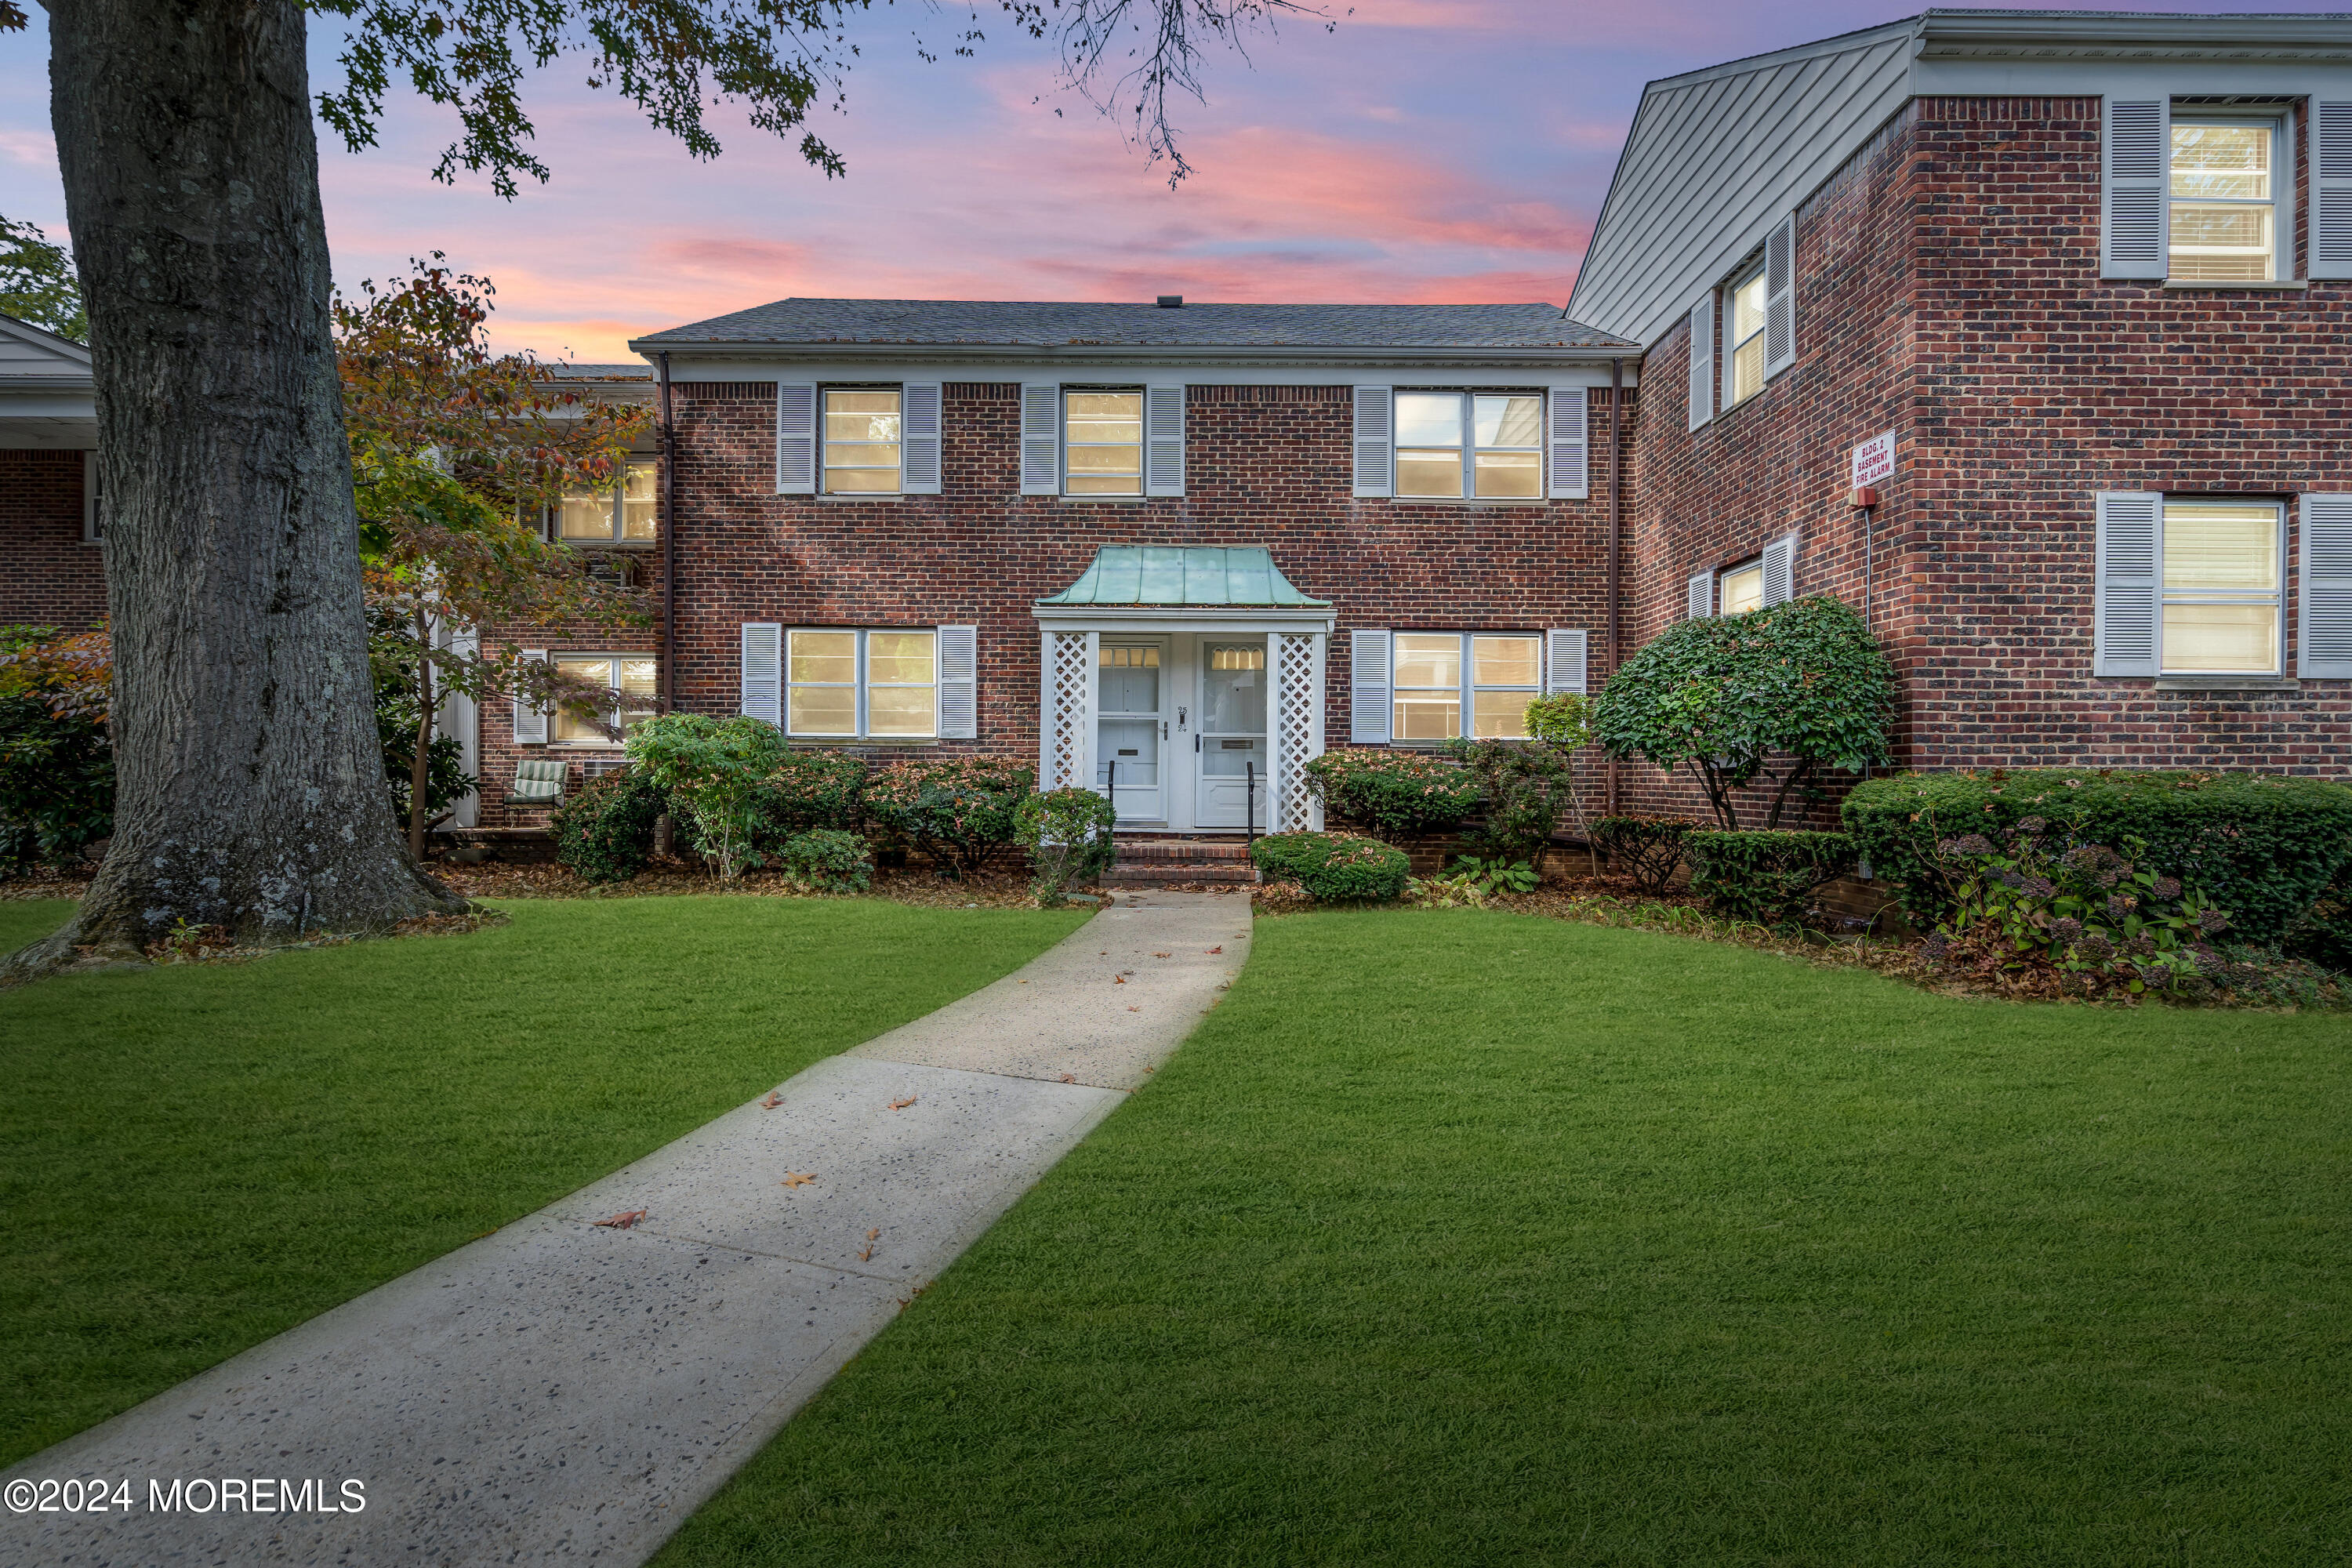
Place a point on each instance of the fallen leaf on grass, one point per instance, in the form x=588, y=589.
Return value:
x=624, y=1221
x=902, y=1104
x=776, y=1098
x=797, y=1178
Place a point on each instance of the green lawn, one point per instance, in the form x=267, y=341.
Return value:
x=200, y=1157
x=1462, y=1238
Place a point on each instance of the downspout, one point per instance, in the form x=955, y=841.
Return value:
x=669, y=541
x=1616, y=535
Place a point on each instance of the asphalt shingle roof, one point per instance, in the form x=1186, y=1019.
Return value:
x=1013, y=323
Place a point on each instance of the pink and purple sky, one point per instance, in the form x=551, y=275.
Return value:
x=1423, y=150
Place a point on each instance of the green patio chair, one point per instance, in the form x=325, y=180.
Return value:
x=539, y=783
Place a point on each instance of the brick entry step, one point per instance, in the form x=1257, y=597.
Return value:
x=1180, y=862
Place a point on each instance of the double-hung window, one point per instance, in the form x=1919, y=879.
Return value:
x=1739, y=589
x=1102, y=442
x=622, y=512
x=872, y=684
x=1453, y=445
x=1743, y=337
x=2222, y=184
x=2221, y=572
x=862, y=440
x=630, y=680
x=1436, y=676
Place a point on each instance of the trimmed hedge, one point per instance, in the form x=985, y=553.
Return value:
x=960, y=810
x=812, y=790
x=603, y=832
x=828, y=860
x=2264, y=848
x=1334, y=867
x=1395, y=792
x=1767, y=876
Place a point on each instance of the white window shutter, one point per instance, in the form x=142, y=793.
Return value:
x=1163, y=440
x=2324, y=588
x=1564, y=655
x=1702, y=360
x=1374, y=436
x=1041, y=438
x=1780, y=296
x=795, y=438
x=1780, y=571
x=2130, y=545
x=2331, y=188
x=2138, y=155
x=1698, y=596
x=1368, y=689
x=531, y=721
x=959, y=683
x=919, y=430
x=763, y=671
x=1571, y=430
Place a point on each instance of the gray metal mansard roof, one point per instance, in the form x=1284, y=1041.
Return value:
x=980, y=324
x=1191, y=575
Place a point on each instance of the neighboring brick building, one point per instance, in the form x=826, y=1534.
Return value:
x=50, y=572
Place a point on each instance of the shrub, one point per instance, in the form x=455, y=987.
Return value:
x=1393, y=793
x=1526, y=790
x=714, y=772
x=2323, y=933
x=960, y=810
x=1069, y=835
x=828, y=860
x=1334, y=867
x=604, y=831
x=811, y=790
x=1767, y=877
x=2265, y=849
x=57, y=783
x=1724, y=695
x=1649, y=847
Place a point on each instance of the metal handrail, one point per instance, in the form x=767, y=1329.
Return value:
x=1249, y=803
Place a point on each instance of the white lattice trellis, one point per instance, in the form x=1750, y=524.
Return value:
x=1070, y=683
x=1298, y=718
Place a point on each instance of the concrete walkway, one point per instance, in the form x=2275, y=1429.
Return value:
x=561, y=1391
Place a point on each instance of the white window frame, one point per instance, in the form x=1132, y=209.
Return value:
x=824, y=439
x=2275, y=596
x=863, y=685
x=1722, y=594
x=614, y=495
x=1470, y=449
x=1143, y=437
x=1467, y=687
x=1732, y=397
x=90, y=533
x=556, y=716
x=2282, y=198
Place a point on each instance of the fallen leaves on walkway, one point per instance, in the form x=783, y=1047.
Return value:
x=871, y=1237
x=1069, y=1078
x=797, y=1178
x=624, y=1221
x=1135, y=1009
x=1118, y=980
x=776, y=1098
x=1218, y=949
x=902, y=1104
x=1163, y=955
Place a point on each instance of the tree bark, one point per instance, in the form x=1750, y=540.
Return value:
x=250, y=790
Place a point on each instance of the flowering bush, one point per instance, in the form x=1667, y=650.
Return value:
x=1068, y=833
x=1395, y=792
x=1334, y=867
x=960, y=810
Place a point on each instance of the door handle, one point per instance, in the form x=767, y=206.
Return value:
x=1163, y=729
x=1196, y=745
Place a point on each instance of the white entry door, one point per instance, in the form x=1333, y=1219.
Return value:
x=1131, y=727
x=1232, y=735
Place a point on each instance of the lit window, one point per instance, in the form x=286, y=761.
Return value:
x=1742, y=589
x=1743, y=338
x=629, y=677
x=622, y=513
x=2222, y=613
x=1504, y=670
x=1102, y=434
x=861, y=441
x=849, y=684
x=1502, y=459
x=2225, y=209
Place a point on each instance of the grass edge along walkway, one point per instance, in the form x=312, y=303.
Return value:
x=201, y=1156
x=1474, y=1236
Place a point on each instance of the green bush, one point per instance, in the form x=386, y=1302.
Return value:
x=57, y=783
x=1069, y=835
x=714, y=773
x=811, y=790
x=828, y=859
x=1527, y=788
x=1393, y=793
x=604, y=830
x=1334, y=867
x=960, y=810
x=1649, y=847
x=2265, y=849
x=1767, y=876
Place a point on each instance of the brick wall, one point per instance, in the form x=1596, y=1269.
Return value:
x=48, y=577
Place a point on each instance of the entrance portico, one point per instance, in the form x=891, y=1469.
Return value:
x=1186, y=684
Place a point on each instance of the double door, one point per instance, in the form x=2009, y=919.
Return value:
x=1180, y=730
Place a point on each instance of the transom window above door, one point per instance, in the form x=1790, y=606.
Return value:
x=861, y=440
x=1469, y=445
x=1102, y=443
x=622, y=512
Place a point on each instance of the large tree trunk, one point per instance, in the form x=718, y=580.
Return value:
x=251, y=790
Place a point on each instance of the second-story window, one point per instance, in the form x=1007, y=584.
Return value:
x=1102, y=443
x=2223, y=187
x=861, y=441
x=1743, y=338
x=1451, y=445
x=622, y=513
